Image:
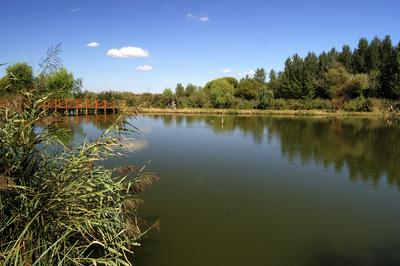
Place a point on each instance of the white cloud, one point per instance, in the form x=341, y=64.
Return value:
x=129, y=51
x=145, y=68
x=245, y=73
x=76, y=9
x=226, y=70
x=133, y=145
x=199, y=18
x=93, y=44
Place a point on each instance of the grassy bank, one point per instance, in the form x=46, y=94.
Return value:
x=264, y=112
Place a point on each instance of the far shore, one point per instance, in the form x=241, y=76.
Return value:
x=251, y=112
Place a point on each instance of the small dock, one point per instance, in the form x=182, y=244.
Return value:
x=84, y=107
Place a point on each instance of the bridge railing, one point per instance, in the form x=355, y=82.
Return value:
x=83, y=104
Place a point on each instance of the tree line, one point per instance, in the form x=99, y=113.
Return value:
x=58, y=83
x=345, y=79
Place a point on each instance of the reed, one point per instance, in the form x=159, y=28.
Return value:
x=59, y=205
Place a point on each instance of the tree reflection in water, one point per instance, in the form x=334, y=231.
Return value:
x=367, y=147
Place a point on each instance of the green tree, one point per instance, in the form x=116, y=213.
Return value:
x=397, y=75
x=310, y=75
x=60, y=83
x=265, y=98
x=231, y=80
x=292, y=78
x=221, y=93
x=345, y=57
x=18, y=77
x=180, y=90
x=249, y=89
x=373, y=55
x=360, y=57
x=260, y=75
x=272, y=75
x=198, y=99
x=389, y=71
x=325, y=61
x=190, y=89
x=167, y=97
x=354, y=87
x=334, y=80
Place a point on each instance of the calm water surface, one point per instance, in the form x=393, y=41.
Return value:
x=267, y=191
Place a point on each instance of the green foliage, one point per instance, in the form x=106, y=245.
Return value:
x=198, y=99
x=292, y=78
x=232, y=81
x=249, y=89
x=355, y=86
x=359, y=104
x=272, y=75
x=58, y=205
x=371, y=70
x=388, y=79
x=221, y=93
x=300, y=104
x=298, y=81
x=360, y=56
x=346, y=58
x=18, y=77
x=373, y=56
x=260, y=75
x=179, y=90
x=334, y=80
x=3, y=86
x=244, y=104
x=60, y=83
x=167, y=97
x=373, y=84
x=190, y=89
x=310, y=74
x=265, y=98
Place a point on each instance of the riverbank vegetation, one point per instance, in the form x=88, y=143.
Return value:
x=58, y=204
x=365, y=79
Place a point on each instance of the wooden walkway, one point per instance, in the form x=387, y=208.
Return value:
x=84, y=107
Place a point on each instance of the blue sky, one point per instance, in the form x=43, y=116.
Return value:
x=183, y=40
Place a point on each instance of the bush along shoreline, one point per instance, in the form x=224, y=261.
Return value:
x=363, y=79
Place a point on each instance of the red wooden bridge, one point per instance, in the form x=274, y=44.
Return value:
x=86, y=107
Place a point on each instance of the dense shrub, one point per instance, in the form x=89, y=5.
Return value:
x=244, y=104
x=198, y=99
x=265, y=99
x=359, y=104
x=249, y=89
x=292, y=104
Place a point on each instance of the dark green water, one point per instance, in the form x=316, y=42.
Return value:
x=268, y=191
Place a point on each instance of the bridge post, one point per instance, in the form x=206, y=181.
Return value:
x=66, y=107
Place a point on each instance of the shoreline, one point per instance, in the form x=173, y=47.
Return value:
x=250, y=112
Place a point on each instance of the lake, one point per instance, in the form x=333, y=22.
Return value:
x=266, y=190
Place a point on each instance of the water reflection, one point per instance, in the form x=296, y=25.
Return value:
x=368, y=148
x=254, y=191
x=322, y=253
x=78, y=127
